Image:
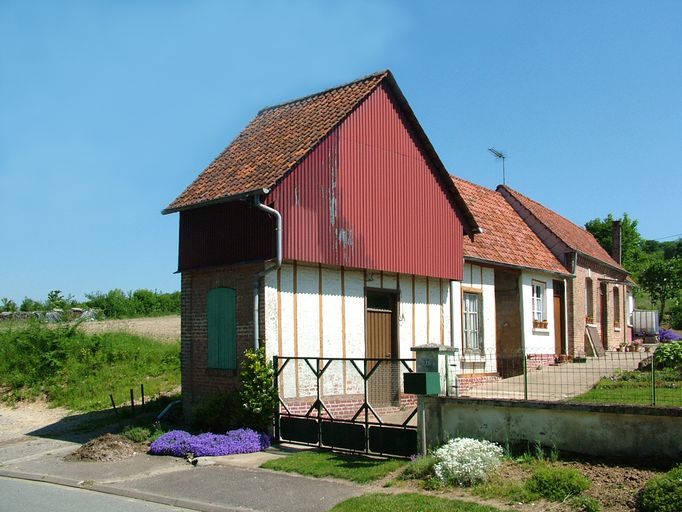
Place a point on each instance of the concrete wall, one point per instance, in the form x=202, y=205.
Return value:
x=537, y=341
x=316, y=311
x=620, y=431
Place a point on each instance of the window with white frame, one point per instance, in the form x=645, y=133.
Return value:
x=473, y=322
x=538, y=301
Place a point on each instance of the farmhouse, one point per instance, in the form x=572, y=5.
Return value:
x=512, y=296
x=598, y=295
x=328, y=228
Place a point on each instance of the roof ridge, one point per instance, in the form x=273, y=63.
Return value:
x=377, y=74
x=473, y=183
x=514, y=191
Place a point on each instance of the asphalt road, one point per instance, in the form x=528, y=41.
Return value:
x=26, y=496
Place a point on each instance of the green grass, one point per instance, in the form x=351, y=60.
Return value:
x=513, y=492
x=328, y=464
x=79, y=371
x=635, y=388
x=409, y=502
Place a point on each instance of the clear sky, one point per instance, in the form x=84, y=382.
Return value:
x=109, y=109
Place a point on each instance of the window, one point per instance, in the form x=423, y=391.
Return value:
x=538, y=304
x=616, y=306
x=222, y=329
x=589, y=301
x=473, y=322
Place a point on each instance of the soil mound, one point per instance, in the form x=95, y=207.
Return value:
x=106, y=448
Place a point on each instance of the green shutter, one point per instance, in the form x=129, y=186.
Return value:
x=222, y=328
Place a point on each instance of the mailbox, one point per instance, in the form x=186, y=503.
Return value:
x=422, y=383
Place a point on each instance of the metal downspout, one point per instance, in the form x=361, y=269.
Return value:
x=263, y=273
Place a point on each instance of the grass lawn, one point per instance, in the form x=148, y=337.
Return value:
x=409, y=503
x=635, y=388
x=328, y=464
x=79, y=371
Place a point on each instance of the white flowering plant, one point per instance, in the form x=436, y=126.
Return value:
x=464, y=461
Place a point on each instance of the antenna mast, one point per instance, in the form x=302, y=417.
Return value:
x=501, y=156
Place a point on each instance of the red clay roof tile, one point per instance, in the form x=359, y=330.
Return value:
x=506, y=238
x=575, y=237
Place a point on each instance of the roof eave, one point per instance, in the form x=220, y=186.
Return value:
x=225, y=199
x=470, y=259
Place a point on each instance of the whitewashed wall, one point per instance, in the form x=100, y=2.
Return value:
x=537, y=341
x=313, y=311
x=479, y=279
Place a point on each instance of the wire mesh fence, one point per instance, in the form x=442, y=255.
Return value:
x=618, y=377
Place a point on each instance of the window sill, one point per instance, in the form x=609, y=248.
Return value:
x=616, y=329
x=540, y=330
x=473, y=357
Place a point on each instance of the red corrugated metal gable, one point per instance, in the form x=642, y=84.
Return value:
x=368, y=197
x=506, y=238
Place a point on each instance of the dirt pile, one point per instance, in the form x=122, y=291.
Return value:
x=106, y=448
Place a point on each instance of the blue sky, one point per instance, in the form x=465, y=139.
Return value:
x=109, y=109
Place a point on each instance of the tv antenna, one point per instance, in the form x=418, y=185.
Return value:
x=501, y=156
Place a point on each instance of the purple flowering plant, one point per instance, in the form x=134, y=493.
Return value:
x=668, y=335
x=179, y=443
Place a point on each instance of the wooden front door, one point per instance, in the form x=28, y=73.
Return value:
x=559, y=334
x=381, y=343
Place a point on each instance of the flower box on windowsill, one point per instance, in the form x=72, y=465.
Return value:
x=539, y=324
x=589, y=320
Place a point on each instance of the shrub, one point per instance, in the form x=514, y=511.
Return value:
x=465, y=461
x=585, y=504
x=420, y=468
x=669, y=355
x=663, y=493
x=217, y=413
x=668, y=335
x=557, y=484
x=257, y=393
x=180, y=443
x=142, y=434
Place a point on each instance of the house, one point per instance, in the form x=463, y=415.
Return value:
x=327, y=228
x=597, y=296
x=512, y=302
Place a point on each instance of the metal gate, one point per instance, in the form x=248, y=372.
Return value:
x=326, y=402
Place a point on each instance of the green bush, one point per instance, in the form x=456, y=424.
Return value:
x=585, y=504
x=669, y=355
x=663, y=493
x=143, y=434
x=421, y=468
x=557, y=484
x=217, y=413
x=257, y=393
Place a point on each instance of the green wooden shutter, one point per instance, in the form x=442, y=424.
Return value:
x=222, y=328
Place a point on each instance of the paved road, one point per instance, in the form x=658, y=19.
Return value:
x=25, y=496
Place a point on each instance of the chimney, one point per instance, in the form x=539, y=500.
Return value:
x=616, y=244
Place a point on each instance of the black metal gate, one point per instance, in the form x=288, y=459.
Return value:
x=325, y=402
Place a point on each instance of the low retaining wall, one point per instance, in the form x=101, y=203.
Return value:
x=611, y=430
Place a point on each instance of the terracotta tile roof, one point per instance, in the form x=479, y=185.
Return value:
x=273, y=142
x=282, y=135
x=506, y=238
x=574, y=236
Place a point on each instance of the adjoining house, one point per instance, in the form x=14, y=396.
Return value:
x=598, y=295
x=329, y=227
x=512, y=301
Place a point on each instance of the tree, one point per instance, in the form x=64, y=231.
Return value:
x=634, y=258
x=663, y=280
x=7, y=305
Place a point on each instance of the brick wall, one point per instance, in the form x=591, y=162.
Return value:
x=199, y=381
x=612, y=336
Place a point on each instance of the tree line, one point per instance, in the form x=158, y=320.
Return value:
x=112, y=304
x=655, y=266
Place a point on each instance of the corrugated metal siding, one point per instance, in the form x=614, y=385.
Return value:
x=366, y=198
x=223, y=234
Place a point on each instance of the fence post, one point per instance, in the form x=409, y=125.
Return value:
x=275, y=366
x=653, y=378
x=525, y=377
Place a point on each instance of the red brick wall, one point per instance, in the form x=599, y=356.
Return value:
x=199, y=381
